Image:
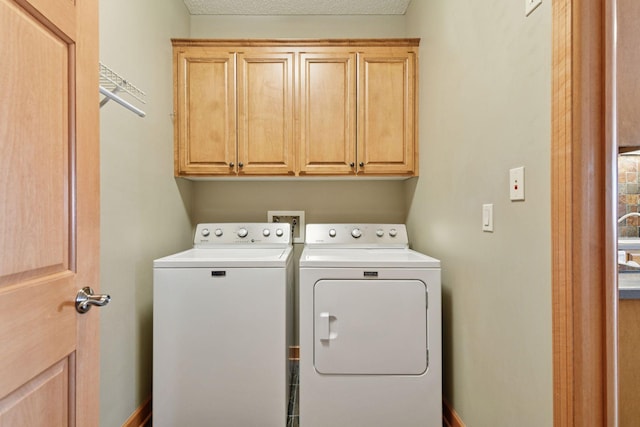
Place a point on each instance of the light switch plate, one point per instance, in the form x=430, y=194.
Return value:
x=487, y=217
x=516, y=183
x=530, y=6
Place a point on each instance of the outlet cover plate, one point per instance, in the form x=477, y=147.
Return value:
x=516, y=184
x=288, y=216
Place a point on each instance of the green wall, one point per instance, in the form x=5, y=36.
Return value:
x=144, y=211
x=485, y=107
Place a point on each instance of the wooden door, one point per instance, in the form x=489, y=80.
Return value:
x=49, y=212
x=386, y=111
x=265, y=82
x=328, y=113
x=205, y=103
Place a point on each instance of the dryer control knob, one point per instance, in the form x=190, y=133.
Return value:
x=205, y=232
x=356, y=233
x=379, y=232
x=266, y=232
x=279, y=232
x=332, y=233
x=242, y=233
x=218, y=232
x=393, y=232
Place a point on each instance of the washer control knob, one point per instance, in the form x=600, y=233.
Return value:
x=393, y=232
x=356, y=233
x=242, y=233
x=279, y=232
x=205, y=232
x=332, y=233
x=218, y=232
x=379, y=232
x=266, y=232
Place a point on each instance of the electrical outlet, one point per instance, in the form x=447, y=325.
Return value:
x=530, y=6
x=294, y=218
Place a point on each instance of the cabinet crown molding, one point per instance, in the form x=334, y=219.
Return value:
x=391, y=42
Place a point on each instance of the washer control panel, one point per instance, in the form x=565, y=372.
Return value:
x=365, y=235
x=267, y=233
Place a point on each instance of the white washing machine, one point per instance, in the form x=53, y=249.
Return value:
x=370, y=329
x=222, y=327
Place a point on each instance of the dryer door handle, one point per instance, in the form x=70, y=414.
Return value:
x=323, y=327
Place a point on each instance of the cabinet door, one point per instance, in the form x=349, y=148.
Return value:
x=205, y=112
x=327, y=113
x=265, y=112
x=386, y=112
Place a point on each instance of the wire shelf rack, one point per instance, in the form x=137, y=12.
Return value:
x=111, y=83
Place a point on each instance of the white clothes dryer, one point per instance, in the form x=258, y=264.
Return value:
x=370, y=329
x=222, y=327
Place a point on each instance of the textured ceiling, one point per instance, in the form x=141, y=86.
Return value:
x=297, y=7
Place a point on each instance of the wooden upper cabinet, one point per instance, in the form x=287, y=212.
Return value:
x=265, y=112
x=205, y=105
x=296, y=107
x=328, y=113
x=386, y=112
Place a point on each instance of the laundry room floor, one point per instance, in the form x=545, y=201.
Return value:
x=293, y=420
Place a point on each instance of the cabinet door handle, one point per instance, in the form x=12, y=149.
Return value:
x=361, y=164
x=352, y=164
x=231, y=164
x=240, y=164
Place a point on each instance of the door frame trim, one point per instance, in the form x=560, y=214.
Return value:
x=87, y=214
x=584, y=302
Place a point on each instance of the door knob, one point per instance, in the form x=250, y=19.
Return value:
x=86, y=298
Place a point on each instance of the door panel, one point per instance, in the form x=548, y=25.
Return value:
x=207, y=123
x=35, y=345
x=34, y=237
x=370, y=327
x=265, y=113
x=49, y=211
x=328, y=113
x=43, y=401
x=386, y=112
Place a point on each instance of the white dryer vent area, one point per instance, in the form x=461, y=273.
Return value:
x=297, y=7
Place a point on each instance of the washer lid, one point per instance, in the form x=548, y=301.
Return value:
x=357, y=257
x=231, y=257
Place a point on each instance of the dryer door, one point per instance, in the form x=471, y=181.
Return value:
x=369, y=327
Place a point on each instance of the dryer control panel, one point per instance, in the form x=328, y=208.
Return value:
x=221, y=234
x=357, y=235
